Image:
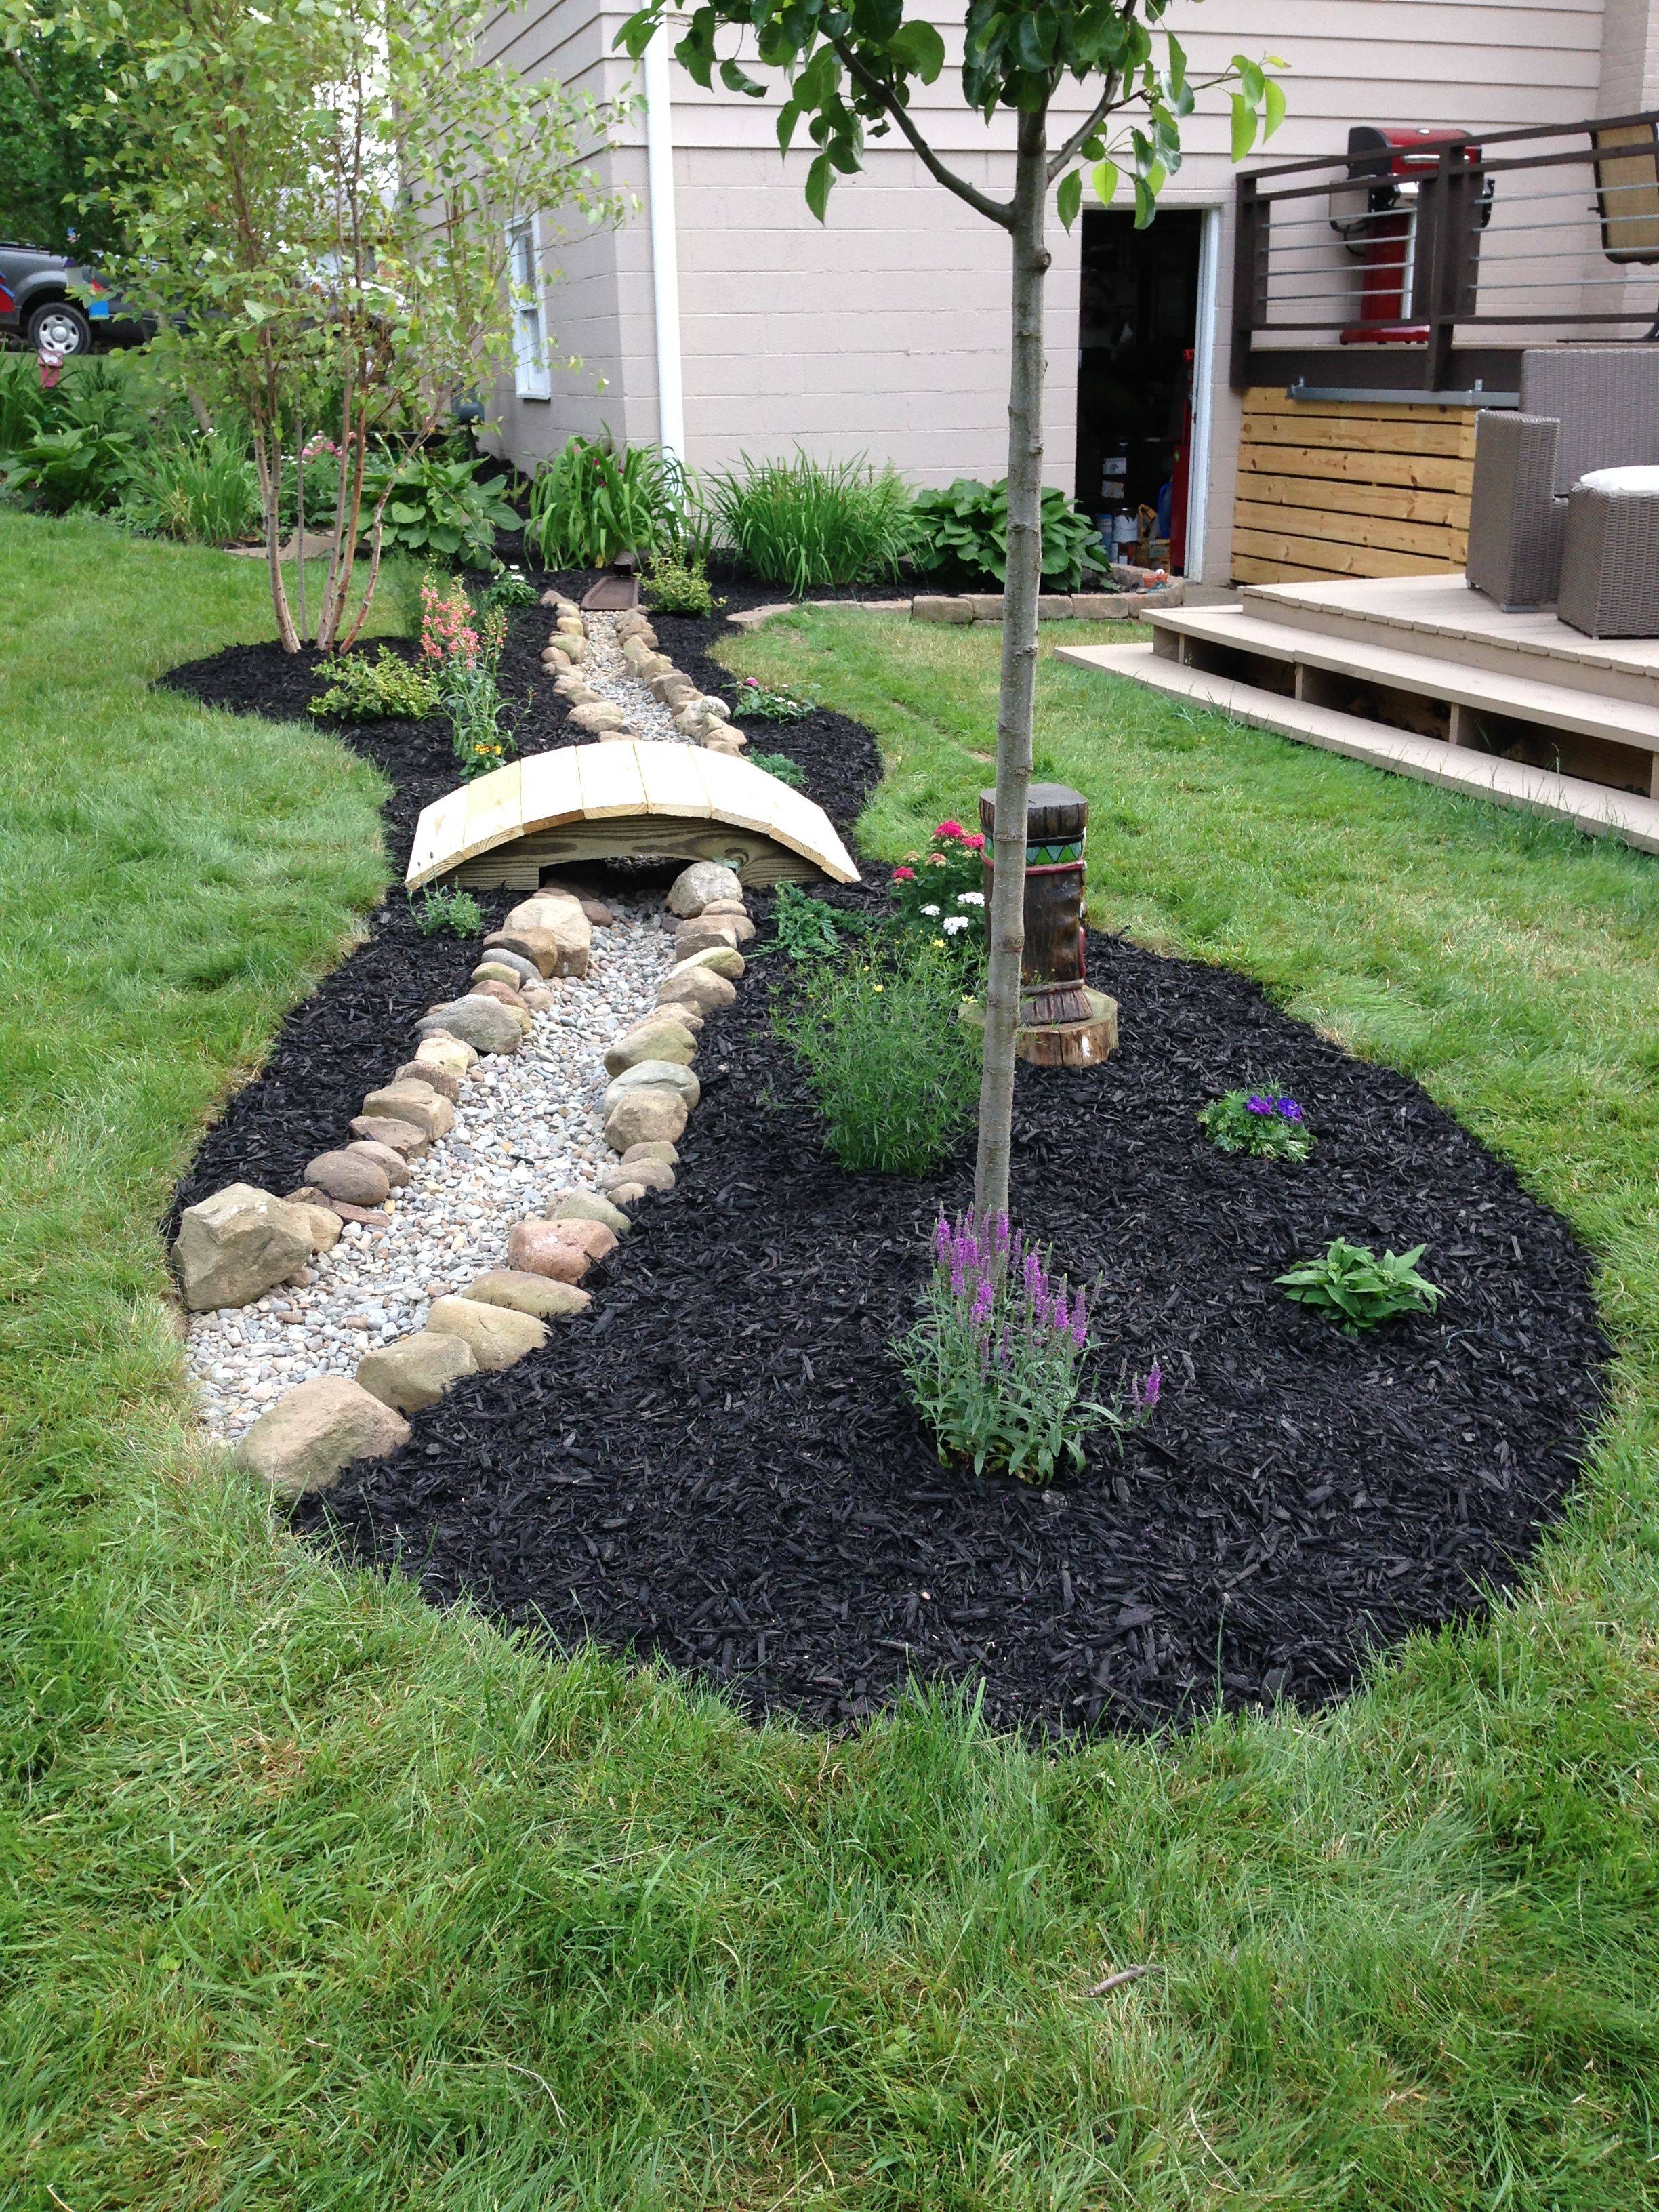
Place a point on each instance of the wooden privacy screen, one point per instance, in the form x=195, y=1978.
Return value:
x=1350, y=488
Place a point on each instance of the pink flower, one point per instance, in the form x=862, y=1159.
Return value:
x=904, y=875
x=949, y=829
x=975, y=843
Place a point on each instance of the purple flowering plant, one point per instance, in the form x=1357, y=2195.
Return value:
x=995, y=1362
x=1266, y=1121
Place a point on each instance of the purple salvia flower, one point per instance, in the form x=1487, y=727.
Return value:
x=1000, y=1234
x=1080, y=1322
x=941, y=1237
x=958, y=1282
x=1004, y=1352
x=1147, y=1396
x=1060, y=1319
x=982, y=1302
x=1034, y=1283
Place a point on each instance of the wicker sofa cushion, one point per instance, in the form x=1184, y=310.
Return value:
x=1620, y=481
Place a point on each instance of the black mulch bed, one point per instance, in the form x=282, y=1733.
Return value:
x=732, y=1480
x=735, y=1483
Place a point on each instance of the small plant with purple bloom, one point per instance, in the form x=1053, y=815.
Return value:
x=1267, y=1122
x=995, y=1362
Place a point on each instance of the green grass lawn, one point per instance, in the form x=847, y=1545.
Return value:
x=315, y=1899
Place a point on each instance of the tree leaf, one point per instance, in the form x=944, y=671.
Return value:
x=1251, y=82
x=736, y=79
x=1069, y=199
x=819, y=178
x=919, y=46
x=788, y=117
x=1145, y=204
x=1244, y=124
x=1273, y=104
x=1105, y=181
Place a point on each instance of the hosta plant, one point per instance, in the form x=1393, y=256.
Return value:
x=966, y=527
x=438, y=509
x=1267, y=1122
x=995, y=1362
x=1359, y=1289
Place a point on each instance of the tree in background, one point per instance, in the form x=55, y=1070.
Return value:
x=851, y=69
x=317, y=202
x=45, y=184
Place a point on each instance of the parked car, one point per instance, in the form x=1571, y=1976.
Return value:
x=45, y=299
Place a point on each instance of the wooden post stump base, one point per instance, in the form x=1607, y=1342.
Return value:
x=1060, y=1044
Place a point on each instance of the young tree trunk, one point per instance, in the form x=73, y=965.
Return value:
x=1006, y=920
x=269, y=473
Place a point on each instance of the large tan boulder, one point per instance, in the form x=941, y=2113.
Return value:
x=699, y=989
x=694, y=886
x=350, y=1176
x=308, y=1438
x=452, y=1053
x=543, y=1247
x=485, y=1023
x=235, y=1246
x=657, y=1037
x=647, y=1115
x=585, y=1213
x=446, y=1085
x=385, y=1140
x=412, y=1101
x=600, y=715
x=718, y=959
x=527, y=1294
x=654, y=1074
x=322, y=1221
x=497, y=1337
x=417, y=1371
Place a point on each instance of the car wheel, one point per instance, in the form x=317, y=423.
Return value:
x=61, y=325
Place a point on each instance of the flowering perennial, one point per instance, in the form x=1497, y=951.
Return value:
x=995, y=1362
x=1269, y=1123
x=463, y=650
x=942, y=889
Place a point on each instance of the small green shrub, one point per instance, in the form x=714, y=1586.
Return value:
x=966, y=527
x=1267, y=1123
x=456, y=913
x=509, y=587
x=438, y=509
x=805, y=525
x=780, y=765
x=22, y=401
x=382, y=690
x=1351, y=1286
x=590, y=504
x=805, y=928
x=80, y=466
x=895, y=1073
x=202, y=489
x=755, y=701
x=679, y=587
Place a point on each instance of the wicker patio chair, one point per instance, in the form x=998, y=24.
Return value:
x=1515, y=518
x=1610, y=572
x=1603, y=403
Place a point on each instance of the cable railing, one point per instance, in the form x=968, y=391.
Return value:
x=1417, y=242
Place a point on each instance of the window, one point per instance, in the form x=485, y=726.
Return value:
x=532, y=379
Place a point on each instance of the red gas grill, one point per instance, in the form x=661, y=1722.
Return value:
x=1376, y=213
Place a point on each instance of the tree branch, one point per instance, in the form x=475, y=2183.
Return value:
x=994, y=211
x=1061, y=159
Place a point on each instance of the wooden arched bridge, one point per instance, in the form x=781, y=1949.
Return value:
x=616, y=800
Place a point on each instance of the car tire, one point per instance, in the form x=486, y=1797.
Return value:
x=61, y=326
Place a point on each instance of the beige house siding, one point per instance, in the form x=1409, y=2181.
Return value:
x=884, y=331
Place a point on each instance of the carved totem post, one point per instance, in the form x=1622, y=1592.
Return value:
x=1062, y=1023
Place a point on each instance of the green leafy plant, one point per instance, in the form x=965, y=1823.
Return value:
x=805, y=525
x=995, y=1364
x=437, y=508
x=452, y=913
x=755, y=701
x=894, y=1072
x=677, y=587
x=780, y=765
x=509, y=587
x=805, y=928
x=201, y=490
x=382, y=690
x=22, y=401
x=1267, y=1122
x=592, y=504
x=947, y=880
x=966, y=527
x=1352, y=1286
x=81, y=466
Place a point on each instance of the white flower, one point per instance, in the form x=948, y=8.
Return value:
x=930, y=909
x=970, y=898
x=953, y=922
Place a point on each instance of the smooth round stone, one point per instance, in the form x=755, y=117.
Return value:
x=539, y=1248
x=392, y=1163
x=347, y=1174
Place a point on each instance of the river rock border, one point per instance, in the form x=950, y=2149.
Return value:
x=239, y=1246
x=1140, y=591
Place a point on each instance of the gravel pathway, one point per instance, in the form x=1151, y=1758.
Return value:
x=527, y=1128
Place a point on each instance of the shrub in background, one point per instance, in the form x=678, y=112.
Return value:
x=1352, y=1286
x=202, y=489
x=806, y=524
x=438, y=508
x=509, y=587
x=895, y=1074
x=382, y=689
x=679, y=586
x=456, y=913
x=966, y=527
x=995, y=1362
x=78, y=467
x=780, y=765
x=1267, y=1123
x=591, y=503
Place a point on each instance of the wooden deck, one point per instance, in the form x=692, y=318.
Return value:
x=1422, y=675
x=618, y=801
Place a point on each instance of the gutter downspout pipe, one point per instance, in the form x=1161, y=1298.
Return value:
x=664, y=248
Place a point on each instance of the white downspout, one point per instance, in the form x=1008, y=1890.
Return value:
x=665, y=247
x=1198, y=465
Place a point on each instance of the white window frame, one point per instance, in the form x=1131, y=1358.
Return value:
x=533, y=378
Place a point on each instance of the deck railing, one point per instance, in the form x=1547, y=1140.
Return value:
x=1501, y=238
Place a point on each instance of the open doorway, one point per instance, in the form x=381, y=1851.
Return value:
x=1137, y=334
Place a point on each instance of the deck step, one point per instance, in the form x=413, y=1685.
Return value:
x=1591, y=807
x=1524, y=698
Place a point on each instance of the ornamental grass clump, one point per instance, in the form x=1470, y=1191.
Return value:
x=995, y=1365
x=1267, y=1123
x=895, y=1074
